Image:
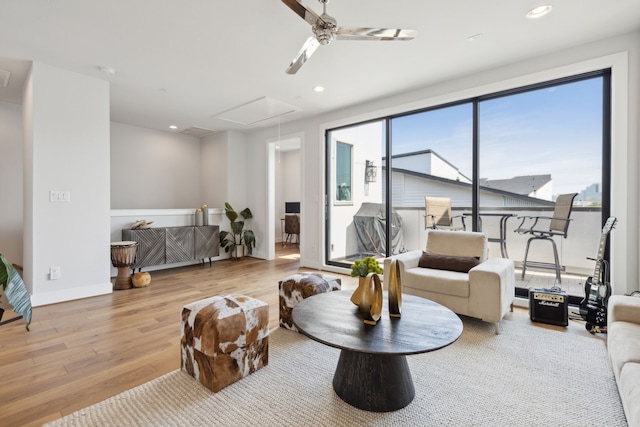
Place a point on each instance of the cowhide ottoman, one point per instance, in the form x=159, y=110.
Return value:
x=224, y=338
x=299, y=286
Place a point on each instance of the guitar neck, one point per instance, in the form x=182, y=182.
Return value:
x=601, y=249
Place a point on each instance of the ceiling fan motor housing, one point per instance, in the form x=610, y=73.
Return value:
x=325, y=29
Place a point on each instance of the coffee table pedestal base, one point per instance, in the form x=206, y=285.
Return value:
x=373, y=382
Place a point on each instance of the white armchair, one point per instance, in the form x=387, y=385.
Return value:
x=485, y=291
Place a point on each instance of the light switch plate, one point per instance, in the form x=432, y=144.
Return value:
x=59, y=196
x=54, y=273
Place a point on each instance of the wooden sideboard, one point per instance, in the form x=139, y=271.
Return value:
x=169, y=245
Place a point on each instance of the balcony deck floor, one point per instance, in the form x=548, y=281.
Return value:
x=572, y=284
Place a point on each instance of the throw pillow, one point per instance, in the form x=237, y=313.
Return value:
x=461, y=264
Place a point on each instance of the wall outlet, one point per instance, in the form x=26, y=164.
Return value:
x=59, y=196
x=54, y=273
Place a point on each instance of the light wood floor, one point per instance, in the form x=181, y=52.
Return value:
x=81, y=352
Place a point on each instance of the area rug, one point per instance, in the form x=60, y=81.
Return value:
x=526, y=376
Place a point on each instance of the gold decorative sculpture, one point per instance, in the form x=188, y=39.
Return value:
x=395, y=289
x=360, y=269
x=371, y=299
x=356, y=296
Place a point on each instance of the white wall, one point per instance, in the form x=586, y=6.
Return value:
x=602, y=54
x=226, y=167
x=67, y=149
x=154, y=170
x=239, y=166
x=291, y=177
x=545, y=192
x=215, y=168
x=11, y=181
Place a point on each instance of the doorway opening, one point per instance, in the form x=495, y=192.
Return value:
x=284, y=192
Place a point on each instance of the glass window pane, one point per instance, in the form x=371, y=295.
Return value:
x=356, y=212
x=535, y=146
x=343, y=172
x=431, y=157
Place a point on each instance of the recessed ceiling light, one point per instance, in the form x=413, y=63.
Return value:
x=474, y=37
x=540, y=11
x=318, y=89
x=107, y=70
x=174, y=127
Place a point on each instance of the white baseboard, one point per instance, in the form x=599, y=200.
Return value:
x=70, y=294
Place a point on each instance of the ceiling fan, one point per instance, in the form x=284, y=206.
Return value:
x=325, y=29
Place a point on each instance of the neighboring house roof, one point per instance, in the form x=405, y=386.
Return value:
x=523, y=185
x=427, y=151
x=524, y=197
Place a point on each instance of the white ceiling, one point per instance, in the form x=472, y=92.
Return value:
x=184, y=62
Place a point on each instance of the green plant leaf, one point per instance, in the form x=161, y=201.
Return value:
x=15, y=290
x=232, y=216
x=249, y=241
x=364, y=266
x=246, y=214
x=5, y=272
x=236, y=227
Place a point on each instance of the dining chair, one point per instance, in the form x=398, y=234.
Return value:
x=438, y=214
x=558, y=225
x=292, y=228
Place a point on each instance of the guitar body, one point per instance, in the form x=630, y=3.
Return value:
x=597, y=289
x=593, y=307
x=585, y=300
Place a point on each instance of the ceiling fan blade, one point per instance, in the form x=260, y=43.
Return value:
x=384, y=34
x=305, y=53
x=307, y=14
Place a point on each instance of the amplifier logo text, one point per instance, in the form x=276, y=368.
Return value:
x=549, y=303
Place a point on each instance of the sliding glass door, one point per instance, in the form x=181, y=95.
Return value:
x=494, y=158
x=356, y=208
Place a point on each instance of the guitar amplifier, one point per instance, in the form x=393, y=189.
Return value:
x=549, y=306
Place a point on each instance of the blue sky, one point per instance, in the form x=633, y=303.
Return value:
x=555, y=131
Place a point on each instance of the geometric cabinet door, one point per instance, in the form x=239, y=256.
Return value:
x=150, y=249
x=207, y=242
x=180, y=244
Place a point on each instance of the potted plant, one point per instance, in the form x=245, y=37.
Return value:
x=238, y=238
x=15, y=290
x=361, y=268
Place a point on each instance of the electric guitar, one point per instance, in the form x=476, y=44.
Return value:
x=597, y=288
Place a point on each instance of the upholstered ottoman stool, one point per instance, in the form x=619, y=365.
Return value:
x=299, y=286
x=224, y=338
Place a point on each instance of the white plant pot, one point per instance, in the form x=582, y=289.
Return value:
x=238, y=252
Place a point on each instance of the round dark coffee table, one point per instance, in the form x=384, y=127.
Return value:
x=372, y=372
